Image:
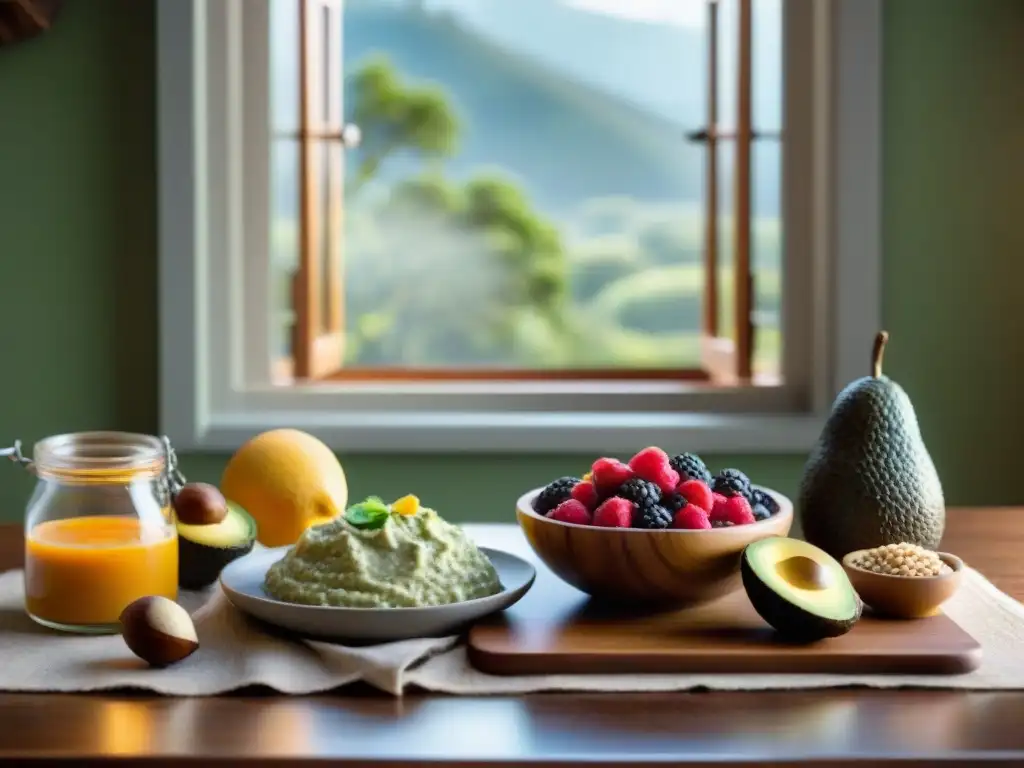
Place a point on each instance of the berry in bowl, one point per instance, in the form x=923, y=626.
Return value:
x=655, y=529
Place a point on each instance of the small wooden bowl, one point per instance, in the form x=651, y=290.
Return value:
x=904, y=597
x=674, y=568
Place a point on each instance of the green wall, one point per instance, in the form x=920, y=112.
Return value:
x=78, y=253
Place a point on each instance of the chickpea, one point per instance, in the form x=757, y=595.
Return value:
x=902, y=560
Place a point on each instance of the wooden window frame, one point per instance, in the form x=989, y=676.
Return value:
x=318, y=334
x=729, y=361
x=318, y=353
x=216, y=356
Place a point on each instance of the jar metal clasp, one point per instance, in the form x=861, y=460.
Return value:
x=14, y=454
x=172, y=475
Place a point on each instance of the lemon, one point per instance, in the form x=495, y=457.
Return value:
x=287, y=480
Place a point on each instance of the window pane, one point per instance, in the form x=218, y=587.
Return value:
x=284, y=238
x=728, y=31
x=767, y=64
x=766, y=256
x=523, y=195
x=284, y=65
x=766, y=236
x=726, y=251
x=326, y=51
x=766, y=177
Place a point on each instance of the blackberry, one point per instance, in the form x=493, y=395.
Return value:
x=722, y=523
x=690, y=466
x=732, y=482
x=761, y=512
x=641, y=492
x=735, y=473
x=554, y=493
x=760, y=498
x=730, y=486
x=674, y=502
x=652, y=517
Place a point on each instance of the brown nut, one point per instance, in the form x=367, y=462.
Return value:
x=158, y=631
x=200, y=504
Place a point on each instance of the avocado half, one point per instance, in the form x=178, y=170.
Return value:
x=799, y=589
x=204, y=550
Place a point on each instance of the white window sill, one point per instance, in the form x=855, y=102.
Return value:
x=536, y=433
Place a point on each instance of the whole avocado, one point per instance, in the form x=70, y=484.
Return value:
x=870, y=480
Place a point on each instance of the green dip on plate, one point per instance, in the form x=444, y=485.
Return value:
x=406, y=562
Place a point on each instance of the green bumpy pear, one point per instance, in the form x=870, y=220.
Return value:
x=870, y=480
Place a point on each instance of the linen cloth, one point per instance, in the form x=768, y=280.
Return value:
x=235, y=652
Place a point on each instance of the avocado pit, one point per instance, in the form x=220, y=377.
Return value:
x=803, y=573
x=204, y=550
x=158, y=631
x=200, y=504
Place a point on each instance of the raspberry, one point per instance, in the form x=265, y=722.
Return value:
x=740, y=511
x=570, y=511
x=609, y=474
x=652, y=517
x=692, y=518
x=690, y=466
x=586, y=494
x=554, y=493
x=719, y=507
x=652, y=464
x=735, y=510
x=697, y=492
x=614, y=513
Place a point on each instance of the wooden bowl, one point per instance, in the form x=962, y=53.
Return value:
x=676, y=568
x=904, y=597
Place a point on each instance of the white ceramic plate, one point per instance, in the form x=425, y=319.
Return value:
x=242, y=581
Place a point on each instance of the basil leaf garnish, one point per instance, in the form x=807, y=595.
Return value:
x=370, y=514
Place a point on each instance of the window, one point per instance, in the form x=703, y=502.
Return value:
x=445, y=225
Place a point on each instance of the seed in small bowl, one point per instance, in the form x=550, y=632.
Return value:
x=903, y=580
x=901, y=559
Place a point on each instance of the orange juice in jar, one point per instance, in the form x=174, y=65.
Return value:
x=99, y=531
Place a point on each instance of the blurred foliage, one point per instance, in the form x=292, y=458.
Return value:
x=393, y=115
x=444, y=271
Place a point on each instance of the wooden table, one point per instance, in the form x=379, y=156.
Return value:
x=361, y=727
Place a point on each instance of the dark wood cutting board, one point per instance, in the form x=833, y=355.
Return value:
x=555, y=629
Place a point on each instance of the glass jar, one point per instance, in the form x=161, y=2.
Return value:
x=99, y=530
